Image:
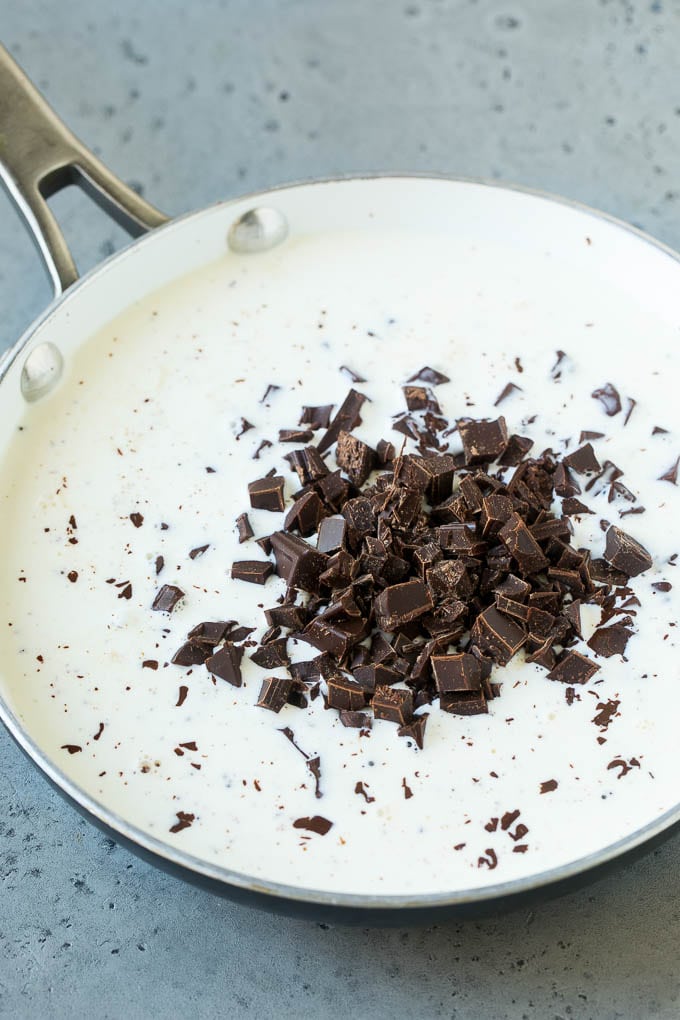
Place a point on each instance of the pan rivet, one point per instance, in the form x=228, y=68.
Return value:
x=257, y=230
x=41, y=372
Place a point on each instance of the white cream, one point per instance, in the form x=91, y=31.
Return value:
x=157, y=396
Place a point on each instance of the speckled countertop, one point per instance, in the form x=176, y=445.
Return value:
x=198, y=102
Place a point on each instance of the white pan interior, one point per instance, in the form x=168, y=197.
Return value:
x=165, y=349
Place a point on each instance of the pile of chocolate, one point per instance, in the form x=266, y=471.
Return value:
x=413, y=574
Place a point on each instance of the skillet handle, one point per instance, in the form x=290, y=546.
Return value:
x=39, y=156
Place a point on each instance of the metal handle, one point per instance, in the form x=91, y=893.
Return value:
x=39, y=156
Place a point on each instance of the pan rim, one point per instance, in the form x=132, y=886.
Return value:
x=223, y=876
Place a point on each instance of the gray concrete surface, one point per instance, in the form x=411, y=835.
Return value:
x=205, y=100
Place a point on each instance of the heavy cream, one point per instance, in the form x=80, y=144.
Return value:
x=155, y=399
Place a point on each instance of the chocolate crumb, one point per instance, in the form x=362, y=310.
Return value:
x=182, y=697
x=71, y=748
x=317, y=824
x=362, y=790
x=185, y=819
x=548, y=786
x=244, y=527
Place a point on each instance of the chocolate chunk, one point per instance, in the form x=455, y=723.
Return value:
x=355, y=720
x=137, y=519
x=185, y=818
x=345, y=694
x=564, y=482
x=375, y=674
x=267, y=493
x=355, y=457
x=346, y=419
x=572, y=507
x=244, y=529
x=483, y=441
x=464, y=703
x=495, y=512
x=672, y=474
x=332, y=531
x=582, y=461
x=265, y=544
x=240, y=634
x=507, y=391
x=297, y=562
x=415, y=729
x=209, y=632
x=461, y=539
x=317, y=823
x=417, y=397
x=385, y=452
x=246, y=426
x=272, y=655
x=295, y=435
x=658, y=431
x=291, y=617
x=612, y=640
x=522, y=545
x=515, y=451
x=316, y=417
x=198, y=551
x=460, y=672
x=191, y=653
x=354, y=376
x=625, y=554
x=662, y=586
x=275, y=692
x=429, y=375
x=226, y=664
x=573, y=668
x=159, y=564
x=587, y=435
x=548, y=786
x=514, y=588
x=401, y=603
x=336, y=636
x=609, y=397
x=512, y=608
x=305, y=514
x=393, y=704
x=308, y=464
x=167, y=597
x=497, y=635
x=573, y=614
x=253, y=571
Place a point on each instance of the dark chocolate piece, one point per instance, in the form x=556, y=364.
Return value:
x=583, y=461
x=346, y=694
x=336, y=636
x=587, y=435
x=355, y=720
x=332, y=532
x=415, y=729
x=275, y=692
x=624, y=553
x=191, y=653
x=611, y=640
x=198, y=551
x=211, y=632
x=609, y=397
x=464, y=703
x=137, y=519
x=272, y=655
x=245, y=531
x=226, y=664
x=401, y=603
x=308, y=464
x=271, y=388
x=483, y=441
x=317, y=824
x=573, y=668
x=167, y=597
x=393, y=704
x=354, y=376
x=159, y=564
x=295, y=435
x=572, y=507
x=185, y=818
x=305, y=514
x=346, y=419
x=429, y=375
x=265, y=444
x=507, y=390
x=497, y=635
x=267, y=493
x=522, y=545
x=316, y=417
x=297, y=562
x=355, y=457
x=253, y=571
x=515, y=451
x=460, y=672
x=291, y=617
x=672, y=474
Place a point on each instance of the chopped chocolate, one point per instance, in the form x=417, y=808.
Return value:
x=609, y=397
x=583, y=461
x=226, y=664
x=159, y=564
x=253, y=571
x=385, y=452
x=198, y=551
x=317, y=824
x=483, y=441
x=658, y=431
x=573, y=668
x=191, y=653
x=572, y=507
x=522, y=545
x=355, y=720
x=275, y=692
x=297, y=562
x=167, y=597
x=271, y=388
x=548, y=786
x=185, y=818
x=456, y=673
x=332, y=531
x=464, y=703
x=393, y=704
x=624, y=553
x=662, y=585
x=295, y=435
x=611, y=640
x=305, y=515
x=182, y=695
x=401, y=603
x=240, y=634
x=316, y=417
x=346, y=694
x=336, y=636
x=573, y=614
x=415, y=729
x=429, y=375
x=245, y=531
x=308, y=464
x=515, y=451
x=672, y=474
x=137, y=519
x=346, y=419
x=507, y=390
x=355, y=457
x=291, y=617
x=272, y=655
x=497, y=635
x=267, y=493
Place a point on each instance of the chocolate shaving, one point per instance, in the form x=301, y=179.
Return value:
x=609, y=397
